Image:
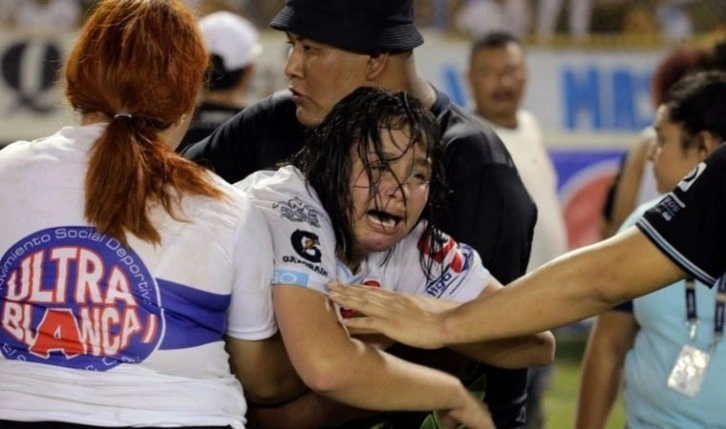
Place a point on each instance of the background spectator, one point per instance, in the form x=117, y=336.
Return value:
x=634, y=184
x=233, y=45
x=498, y=78
x=644, y=341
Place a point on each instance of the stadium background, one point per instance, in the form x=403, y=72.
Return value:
x=591, y=95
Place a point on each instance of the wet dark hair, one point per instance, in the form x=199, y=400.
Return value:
x=698, y=103
x=357, y=123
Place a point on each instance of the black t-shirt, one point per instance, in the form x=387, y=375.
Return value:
x=488, y=207
x=257, y=138
x=207, y=117
x=689, y=224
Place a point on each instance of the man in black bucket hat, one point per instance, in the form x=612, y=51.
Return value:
x=339, y=45
x=365, y=27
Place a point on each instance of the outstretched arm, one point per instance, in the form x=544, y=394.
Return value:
x=510, y=353
x=574, y=286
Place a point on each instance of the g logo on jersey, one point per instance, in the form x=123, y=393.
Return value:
x=306, y=245
x=75, y=298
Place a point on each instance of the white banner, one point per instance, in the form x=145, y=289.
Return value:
x=590, y=97
x=582, y=97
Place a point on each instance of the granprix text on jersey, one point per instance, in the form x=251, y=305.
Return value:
x=289, y=259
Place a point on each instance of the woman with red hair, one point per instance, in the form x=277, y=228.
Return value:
x=127, y=273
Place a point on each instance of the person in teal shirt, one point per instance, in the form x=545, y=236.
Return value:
x=641, y=340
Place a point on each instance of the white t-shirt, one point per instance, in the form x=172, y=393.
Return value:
x=129, y=336
x=304, y=245
x=526, y=145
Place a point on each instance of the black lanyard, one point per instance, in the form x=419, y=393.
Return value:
x=720, y=306
x=692, y=315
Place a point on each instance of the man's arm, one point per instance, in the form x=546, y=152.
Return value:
x=574, y=286
x=510, y=353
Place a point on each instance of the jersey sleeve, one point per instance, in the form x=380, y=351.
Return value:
x=455, y=270
x=250, y=315
x=688, y=224
x=303, y=241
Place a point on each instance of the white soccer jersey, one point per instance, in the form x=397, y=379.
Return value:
x=304, y=245
x=100, y=334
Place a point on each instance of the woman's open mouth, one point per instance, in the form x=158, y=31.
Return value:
x=386, y=220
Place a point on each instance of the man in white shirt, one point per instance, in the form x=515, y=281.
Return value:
x=498, y=77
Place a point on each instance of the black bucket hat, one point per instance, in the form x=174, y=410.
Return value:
x=365, y=26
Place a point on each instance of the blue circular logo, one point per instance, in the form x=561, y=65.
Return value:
x=75, y=298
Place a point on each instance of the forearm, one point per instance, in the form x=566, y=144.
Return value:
x=564, y=301
x=512, y=353
x=575, y=286
x=375, y=380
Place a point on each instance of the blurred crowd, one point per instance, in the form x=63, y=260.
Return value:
x=531, y=20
